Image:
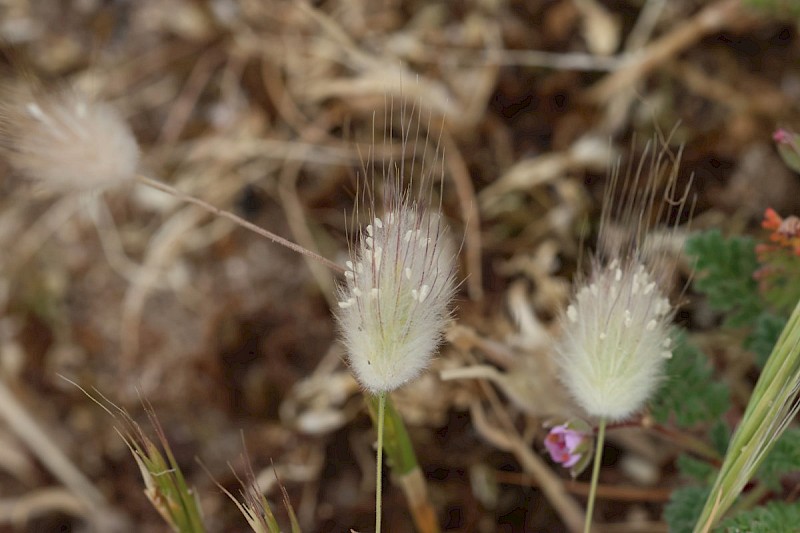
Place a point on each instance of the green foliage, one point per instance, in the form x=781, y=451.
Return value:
x=689, y=393
x=765, y=334
x=725, y=274
x=700, y=471
x=785, y=9
x=772, y=405
x=165, y=484
x=790, y=156
x=720, y=435
x=774, y=517
x=783, y=459
x=684, y=507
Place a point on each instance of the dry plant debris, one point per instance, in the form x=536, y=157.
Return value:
x=267, y=109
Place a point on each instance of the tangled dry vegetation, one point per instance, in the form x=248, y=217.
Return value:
x=268, y=108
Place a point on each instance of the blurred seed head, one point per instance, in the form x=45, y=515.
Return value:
x=65, y=141
x=616, y=329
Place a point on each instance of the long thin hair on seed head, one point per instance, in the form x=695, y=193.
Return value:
x=641, y=199
x=406, y=170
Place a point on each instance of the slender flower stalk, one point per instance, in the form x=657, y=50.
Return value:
x=598, y=457
x=771, y=409
x=379, y=462
x=616, y=329
x=403, y=461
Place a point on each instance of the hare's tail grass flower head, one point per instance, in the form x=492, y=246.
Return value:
x=616, y=329
x=395, y=299
x=64, y=140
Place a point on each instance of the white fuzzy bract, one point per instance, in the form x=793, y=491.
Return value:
x=395, y=299
x=65, y=141
x=616, y=340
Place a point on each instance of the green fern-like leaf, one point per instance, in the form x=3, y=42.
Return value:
x=783, y=459
x=684, y=507
x=725, y=274
x=720, y=436
x=774, y=517
x=765, y=334
x=689, y=392
x=696, y=469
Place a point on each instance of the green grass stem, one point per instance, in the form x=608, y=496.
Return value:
x=598, y=459
x=772, y=406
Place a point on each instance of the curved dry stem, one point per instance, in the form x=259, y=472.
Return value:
x=240, y=221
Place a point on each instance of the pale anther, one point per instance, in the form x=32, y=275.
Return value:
x=572, y=313
x=424, y=291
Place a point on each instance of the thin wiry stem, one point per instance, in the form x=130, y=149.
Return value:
x=598, y=457
x=163, y=187
x=379, y=462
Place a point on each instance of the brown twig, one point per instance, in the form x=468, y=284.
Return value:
x=607, y=492
x=708, y=20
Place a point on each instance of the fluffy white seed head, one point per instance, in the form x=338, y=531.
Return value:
x=616, y=340
x=616, y=329
x=394, y=302
x=65, y=141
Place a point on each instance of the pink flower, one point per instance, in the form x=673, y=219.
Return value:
x=781, y=136
x=566, y=446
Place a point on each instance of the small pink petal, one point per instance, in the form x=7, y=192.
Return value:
x=782, y=136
